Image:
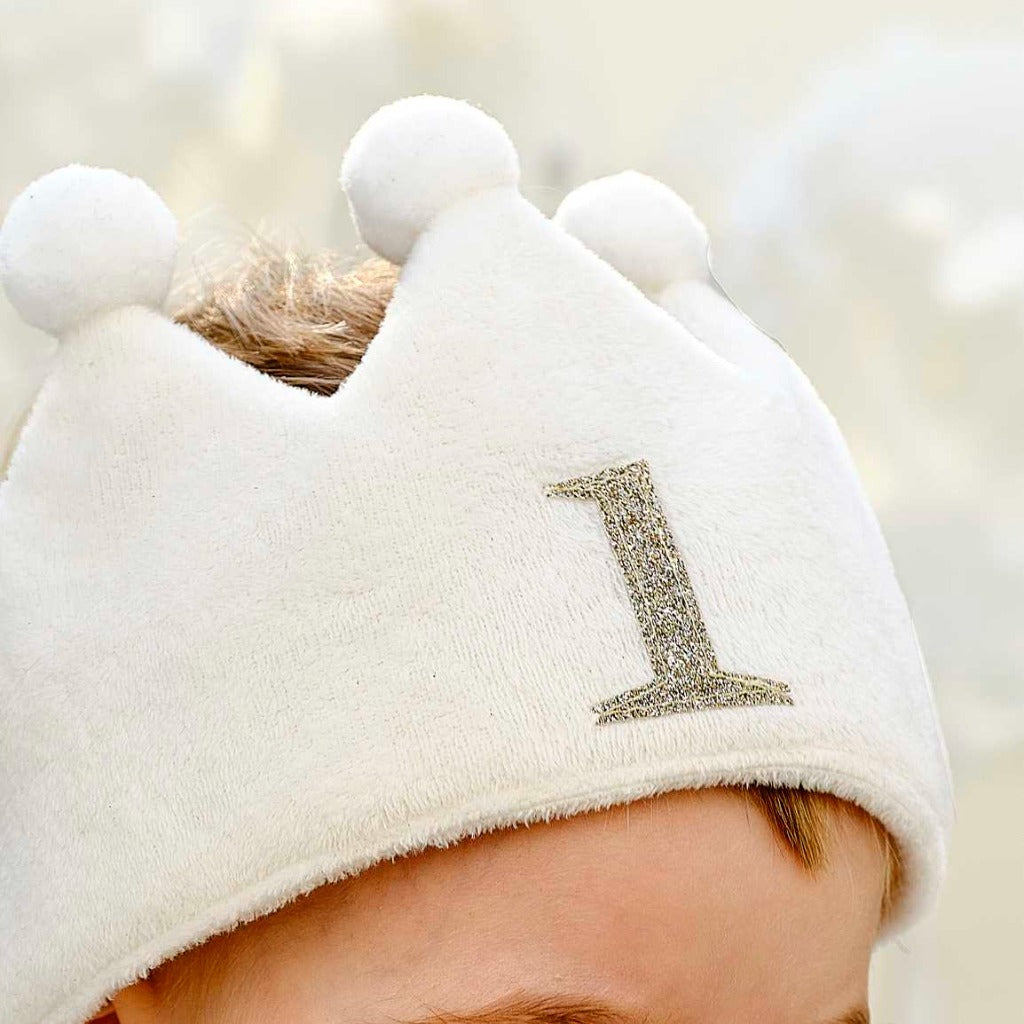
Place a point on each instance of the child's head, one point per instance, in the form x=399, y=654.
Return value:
x=746, y=904
x=472, y=685
x=677, y=908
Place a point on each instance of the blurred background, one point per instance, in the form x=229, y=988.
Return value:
x=861, y=170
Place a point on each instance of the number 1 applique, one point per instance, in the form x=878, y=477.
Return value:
x=687, y=676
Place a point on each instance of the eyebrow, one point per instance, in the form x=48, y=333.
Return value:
x=858, y=1015
x=561, y=1009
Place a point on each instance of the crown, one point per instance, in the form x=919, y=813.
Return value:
x=573, y=533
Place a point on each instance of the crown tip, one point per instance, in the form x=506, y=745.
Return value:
x=641, y=227
x=82, y=240
x=415, y=157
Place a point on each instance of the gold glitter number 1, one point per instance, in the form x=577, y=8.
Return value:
x=686, y=672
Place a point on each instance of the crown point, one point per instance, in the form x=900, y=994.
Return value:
x=641, y=227
x=414, y=158
x=81, y=240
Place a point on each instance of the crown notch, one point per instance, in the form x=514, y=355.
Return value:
x=413, y=159
x=641, y=227
x=82, y=240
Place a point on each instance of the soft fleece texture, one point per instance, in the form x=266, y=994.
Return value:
x=254, y=639
x=83, y=239
x=643, y=228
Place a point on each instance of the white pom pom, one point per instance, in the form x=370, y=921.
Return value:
x=639, y=226
x=81, y=240
x=414, y=158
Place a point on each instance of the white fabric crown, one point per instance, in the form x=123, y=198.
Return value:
x=573, y=533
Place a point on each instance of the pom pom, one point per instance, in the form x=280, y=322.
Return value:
x=414, y=158
x=639, y=226
x=81, y=240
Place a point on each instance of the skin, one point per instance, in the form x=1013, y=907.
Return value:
x=684, y=908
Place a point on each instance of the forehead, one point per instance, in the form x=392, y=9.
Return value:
x=685, y=906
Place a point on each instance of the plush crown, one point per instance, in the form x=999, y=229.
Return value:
x=573, y=533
